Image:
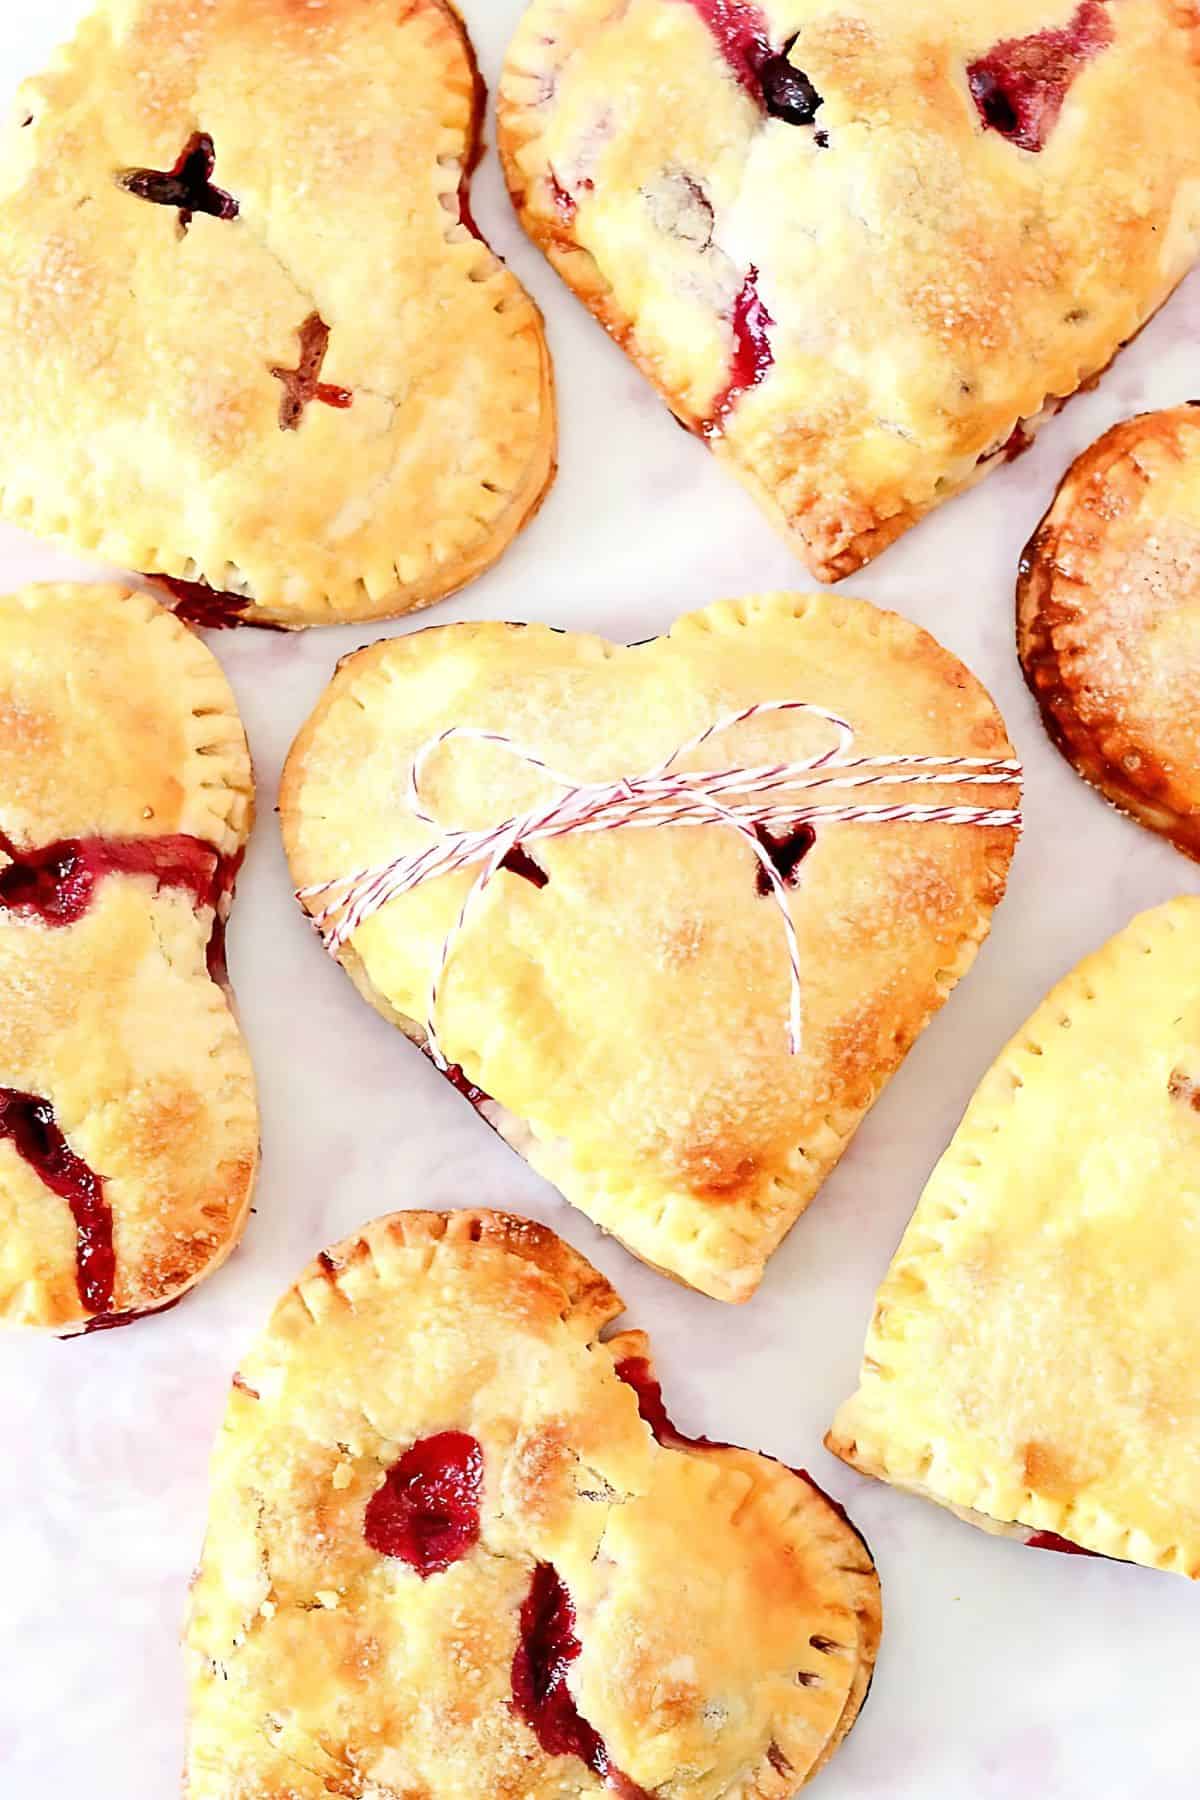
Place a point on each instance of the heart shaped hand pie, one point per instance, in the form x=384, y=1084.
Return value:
x=622, y=1003
x=456, y=1551
x=128, y=1123
x=863, y=251
x=1033, y=1358
x=1108, y=619
x=263, y=351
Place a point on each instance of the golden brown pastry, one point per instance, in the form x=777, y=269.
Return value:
x=263, y=352
x=128, y=1122
x=456, y=1550
x=862, y=251
x=1034, y=1354
x=1108, y=620
x=620, y=1003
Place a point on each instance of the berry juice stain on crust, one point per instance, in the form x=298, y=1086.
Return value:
x=786, y=854
x=752, y=352
x=1020, y=85
x=1050, y=1540
x=28, y=1123
x=188, y=185
x=302, y=385
x=427, y=1511
x=541, y=1696
x=56, y=883
x=209, y=608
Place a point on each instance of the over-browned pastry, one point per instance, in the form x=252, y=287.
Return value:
x=1108, y=620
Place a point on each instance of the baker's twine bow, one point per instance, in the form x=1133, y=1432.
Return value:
x=739, y=798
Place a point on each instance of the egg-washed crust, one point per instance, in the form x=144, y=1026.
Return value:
x=319, y=1667
x=147, y=426
x=934, y=292
x=625, y=1025
x=1033, y=1352
x=1108, y=600
x=117, y=725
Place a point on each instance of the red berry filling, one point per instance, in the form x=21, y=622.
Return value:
x=786, y=854
x=519, y=862
x=427, y=1511
x=188, y=185
x=28, y=1123
x=768, y=76
x=1050, y=1540
x=57, y=882
x=212, y=609
x=636, y=1372
x=302, y=385
x=1019, y=87
x=541, y=1697
x=752, y=352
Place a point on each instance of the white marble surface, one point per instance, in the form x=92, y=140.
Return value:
x=1004, y=1672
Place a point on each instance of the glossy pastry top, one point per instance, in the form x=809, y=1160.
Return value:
x=447, y=1556
x=625, y=1000
x=856, y=247
x=261, y=343
x=1032, y=1357
x=128, y=1125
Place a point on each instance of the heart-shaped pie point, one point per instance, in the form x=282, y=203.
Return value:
x=1033, y=1359
x=263, y=352
x=618, y=1001
x=455, y=1551
x=864, y=250
x=128, y=1123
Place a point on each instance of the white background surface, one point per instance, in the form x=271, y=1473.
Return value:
x=1005, y=1672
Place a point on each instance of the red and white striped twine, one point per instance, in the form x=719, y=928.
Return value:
x=740, y=798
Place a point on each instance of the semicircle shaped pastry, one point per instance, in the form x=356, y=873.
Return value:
x=1034, y=1358
x=862, y=251
x=678, y=989
x=1108, y=620
x=264, y=352
x=455, y=1550
x=128, y=1120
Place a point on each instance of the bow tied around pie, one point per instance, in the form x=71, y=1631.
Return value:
x=457, y=1550
x=674, y=953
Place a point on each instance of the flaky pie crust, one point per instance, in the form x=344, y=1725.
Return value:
x=145, y=424
x=1033, y=1354
x=1108, y=620
x=116, y=723
x=728, y=1614
x=627, y=1023
x=934, y=289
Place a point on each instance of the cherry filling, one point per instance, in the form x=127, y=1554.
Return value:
x=212, y=609
x=427, y=1511
x=1020, y=85
x=302, y=385
x=768, y=76
x=541, y=1697
x=57, y=882
x=752, y=352
x=519, y=862
x=786, y=854
x=28, y=1123
x=188, y=185
x=636, y=1372
x=1050, y=1540
x=474, y=149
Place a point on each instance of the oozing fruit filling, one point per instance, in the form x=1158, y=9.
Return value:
x=541, y=1697
x=212, y=609
x=28, y=1123
x=427, y=1511
x=188, y=185
x=1050, y=1540
x=637, y=1373
x=786, y=854
x=752, y=353
x=1019, y=86
x=302, y=385
x=57, y=882
x=767, y=74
